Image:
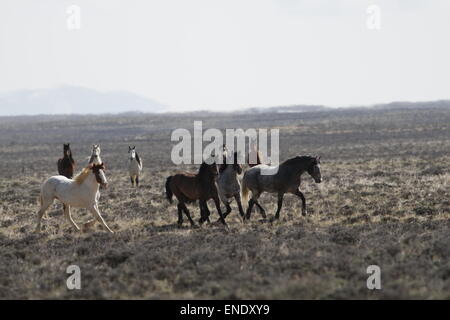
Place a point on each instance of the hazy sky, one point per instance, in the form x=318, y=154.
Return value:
x=230, y=54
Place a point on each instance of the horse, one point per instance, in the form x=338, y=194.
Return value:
x=134, y=166
x=81, y=192
x=189, y=187
x=228, y=183
x=285, y=179
x=66, y=165
x=95, y=155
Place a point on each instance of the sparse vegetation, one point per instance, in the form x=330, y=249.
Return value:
x=384, y=201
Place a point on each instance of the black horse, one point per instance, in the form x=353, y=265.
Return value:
x=66, y=165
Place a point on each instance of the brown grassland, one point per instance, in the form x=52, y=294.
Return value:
x=384, y=201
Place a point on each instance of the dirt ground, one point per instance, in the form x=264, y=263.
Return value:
x=384, y=201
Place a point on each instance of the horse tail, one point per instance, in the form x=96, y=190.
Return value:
x=244, y=192
x=169, y=192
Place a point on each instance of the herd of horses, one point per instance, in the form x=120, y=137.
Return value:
x=217, y=182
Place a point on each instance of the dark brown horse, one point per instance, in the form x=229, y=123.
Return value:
x=66, y=165
x=189, y=187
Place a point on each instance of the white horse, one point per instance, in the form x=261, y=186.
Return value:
x=134, y=166
x=81, y=192
x=95, y=156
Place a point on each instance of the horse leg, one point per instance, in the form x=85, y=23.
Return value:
x=217, y=202
x=137, y=181
x=96, y=213
x=300, y=194
x=69, y=216
x=204, y=211
x=280, y=203
x=186, y=211
x=132, y=181
x=228, y=209
x=180, y=215
x=239, y=203
x=251, y=203
x=41, y=212
x=261, y=209
x=207, y=213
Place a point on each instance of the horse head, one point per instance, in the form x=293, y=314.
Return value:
x=67, y=151
x=95, y=156
x=99, y=172
x=132, y=152
x=209, y=169
x=314, y=169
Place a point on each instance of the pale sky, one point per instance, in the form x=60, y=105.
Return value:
x=230, y=54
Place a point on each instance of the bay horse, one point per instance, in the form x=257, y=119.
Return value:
x=134, y=166
x=81, y=192
x=228, y=183
x=285, y=179
x=189, y=187
x=66, y=164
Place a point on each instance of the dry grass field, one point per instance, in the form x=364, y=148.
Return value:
x=385, y=200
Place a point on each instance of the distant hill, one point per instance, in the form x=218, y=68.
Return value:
x=385, y=106
x=74, y=100
x=412, y=105
x=293, y=108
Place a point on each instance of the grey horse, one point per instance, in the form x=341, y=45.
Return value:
x=281, y=179
x=228, y=183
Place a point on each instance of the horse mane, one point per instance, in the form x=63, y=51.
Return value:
x=81, y=177
x=138, y=159
x=203, y=167
x=296, y=159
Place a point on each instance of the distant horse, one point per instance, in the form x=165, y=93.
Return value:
x=189, y=187
x=66, y=165
x=228, y=183
x=95, y=156
x=134, y=166
x=81, y=192
x=285, y=179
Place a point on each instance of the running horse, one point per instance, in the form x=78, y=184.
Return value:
x=66, y=165
x=81, y=192
x=281, y=179
x=228, y=182
x=189, y=187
